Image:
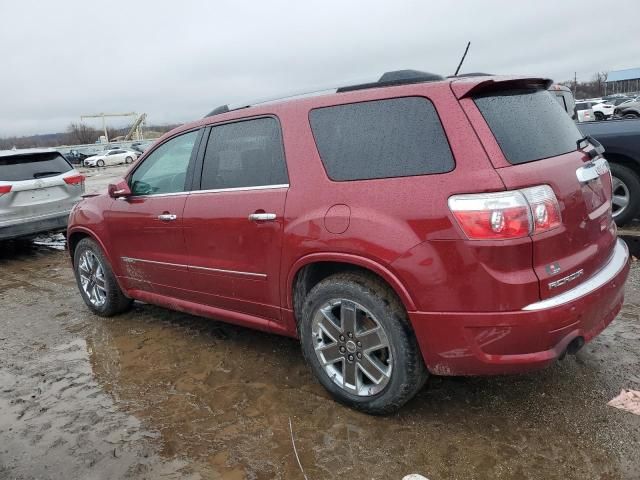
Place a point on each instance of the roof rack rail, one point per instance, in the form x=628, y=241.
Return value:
x=398, y=77
x=471, y=74
x=218, y=110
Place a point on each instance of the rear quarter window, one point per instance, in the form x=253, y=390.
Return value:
x=398, y=137
x=28, y=167
x=528, y=125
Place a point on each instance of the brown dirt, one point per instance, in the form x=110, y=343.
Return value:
x=154, y=393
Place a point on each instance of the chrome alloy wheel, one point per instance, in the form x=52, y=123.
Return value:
x=621, y=197
x=92, y=278
x=352, y=347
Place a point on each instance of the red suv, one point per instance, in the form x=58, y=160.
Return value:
x=416, y=224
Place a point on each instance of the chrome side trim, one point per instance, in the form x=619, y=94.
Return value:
x=617, y=262
x=218, y=270
x=241, y=189
x=155, y=195
x=215, y=190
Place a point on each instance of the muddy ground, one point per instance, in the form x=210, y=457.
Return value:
x=158, y=394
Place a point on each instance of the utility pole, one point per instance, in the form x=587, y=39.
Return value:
x=575, y=84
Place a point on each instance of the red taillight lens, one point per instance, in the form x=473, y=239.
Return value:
x=4, y=189
x=503, y=215
x=74, y=179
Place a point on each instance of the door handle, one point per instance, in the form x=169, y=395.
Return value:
x=167, y=217
x=262, y=217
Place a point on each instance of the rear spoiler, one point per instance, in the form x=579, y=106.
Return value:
x=465, y=87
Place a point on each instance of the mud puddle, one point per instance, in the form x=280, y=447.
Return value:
x=154, y=392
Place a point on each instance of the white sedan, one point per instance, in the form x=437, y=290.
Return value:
x=111, y=157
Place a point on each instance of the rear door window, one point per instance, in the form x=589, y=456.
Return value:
x=528, y=124
x=398, y=137
x=29, y=167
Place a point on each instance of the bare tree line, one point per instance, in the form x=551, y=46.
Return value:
x=593, y=88
x=76, y=134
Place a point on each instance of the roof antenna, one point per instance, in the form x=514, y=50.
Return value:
x=462, y=59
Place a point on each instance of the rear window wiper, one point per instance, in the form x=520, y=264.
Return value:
x=45, y=174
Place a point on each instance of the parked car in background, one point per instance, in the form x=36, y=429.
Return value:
x=38, y=188
x=141, y=147
x=584, y=112
x=628, y=110
x=111, y=157
x=469, y=239
x=619, y=100
x=565, y=98
x=602, y=110
x=621, y=140
x=77, y=156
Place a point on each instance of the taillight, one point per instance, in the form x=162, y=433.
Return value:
x=545, y=210
x=503, y=215
x=4, y=189
x=74, y=179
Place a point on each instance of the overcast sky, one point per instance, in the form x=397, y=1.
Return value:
x=177, y=60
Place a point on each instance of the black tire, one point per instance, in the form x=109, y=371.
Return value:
x=631, y=181
x=128, y=160
x=408, y=373
x=100, y=163
x=631, y=115
x=115, y=301
x=599, y=116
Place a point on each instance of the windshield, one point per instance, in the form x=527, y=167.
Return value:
x=528, y=124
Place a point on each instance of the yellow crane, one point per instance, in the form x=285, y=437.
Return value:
x=136, y=125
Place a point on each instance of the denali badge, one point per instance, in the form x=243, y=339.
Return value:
x=565, y=280
x=553, y=268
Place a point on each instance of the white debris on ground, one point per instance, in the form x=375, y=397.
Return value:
x=414, y=476
x=628, y=400
x=55, y=241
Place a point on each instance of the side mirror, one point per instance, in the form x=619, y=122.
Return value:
x=119, y=190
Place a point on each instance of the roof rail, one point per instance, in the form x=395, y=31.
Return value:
x=471, y=74
x=217, y=111
x=398, y=77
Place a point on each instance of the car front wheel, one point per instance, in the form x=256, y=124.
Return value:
x=128, y=160
x=96, y=281
x=100, y=163
x=357, y=340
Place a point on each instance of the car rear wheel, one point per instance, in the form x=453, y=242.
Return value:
x=128, y=160
x=96, y=281
x=599, y=116
x=631, y=115
x=356, y=337
x=626, y=194
x=100, y=163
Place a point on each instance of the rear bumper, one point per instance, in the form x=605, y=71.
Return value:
x=490, y=343
x=32, y=226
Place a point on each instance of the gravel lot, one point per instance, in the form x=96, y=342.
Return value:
x=159, y=394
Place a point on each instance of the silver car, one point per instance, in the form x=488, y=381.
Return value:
x=38, y=189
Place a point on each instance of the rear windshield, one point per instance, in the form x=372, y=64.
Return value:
x=28, y=167
x=528, y=124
